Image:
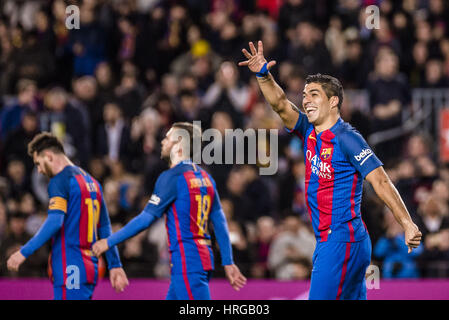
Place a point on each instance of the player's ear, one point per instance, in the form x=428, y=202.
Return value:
x=48, y=155
x=333, y=101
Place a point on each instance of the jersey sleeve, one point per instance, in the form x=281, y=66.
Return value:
x=58, y=194
x=301, y=125
x=221, y=230
x=358, y=152
x=164, y=194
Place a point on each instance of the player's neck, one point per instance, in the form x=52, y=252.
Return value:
x=327, y=124
x=60, y=163
x=176, y=160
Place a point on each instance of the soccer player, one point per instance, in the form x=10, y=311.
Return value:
x=337, y=159
x=77, y=216
x=188, y=196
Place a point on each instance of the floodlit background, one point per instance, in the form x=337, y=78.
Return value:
x=112, y=88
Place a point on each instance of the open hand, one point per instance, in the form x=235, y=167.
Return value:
x=235, y=277
x=118, y=279
x=256, y=60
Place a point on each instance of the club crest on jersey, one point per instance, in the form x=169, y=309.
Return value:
x=326, y=153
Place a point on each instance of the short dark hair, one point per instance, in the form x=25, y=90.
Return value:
x=194, y=133
x=331, y=86
x=45, y=141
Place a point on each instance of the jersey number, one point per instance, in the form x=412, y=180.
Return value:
x=203, y=213
x=93, y=213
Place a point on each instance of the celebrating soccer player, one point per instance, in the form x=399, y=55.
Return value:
x=337, y=159
x=188, y=196
x=77, y=217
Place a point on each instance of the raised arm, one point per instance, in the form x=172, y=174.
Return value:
x=388, y=193
x=272, y=92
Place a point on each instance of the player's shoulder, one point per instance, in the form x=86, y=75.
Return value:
x=60, y=183
x=346, y=133
x=169, y=175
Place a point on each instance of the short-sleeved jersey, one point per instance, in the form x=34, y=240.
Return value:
x=79, y=197
x=188, y=197
x=336, y=162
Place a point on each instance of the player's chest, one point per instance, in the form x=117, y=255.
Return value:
x=324, y=159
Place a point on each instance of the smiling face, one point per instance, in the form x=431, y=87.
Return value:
x=317, y=105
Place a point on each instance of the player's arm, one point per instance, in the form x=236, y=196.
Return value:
x=235, y=277
x=388, y=193
x=272, y=92
x=164, y=194
x=57, y=209
x=370, y=167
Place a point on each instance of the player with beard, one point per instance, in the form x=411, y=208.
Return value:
x=77, y=217
x=188, y=197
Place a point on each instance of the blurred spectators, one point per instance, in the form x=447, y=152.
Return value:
x=12, y=114
x=389, y=98
x=290, y=254
x=434, y=225
x=112, y=89
x=265, y=233
x=393, y=252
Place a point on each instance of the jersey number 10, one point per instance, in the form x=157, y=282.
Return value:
x=93, y=214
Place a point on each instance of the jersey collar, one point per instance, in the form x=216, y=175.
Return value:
x=332, y=129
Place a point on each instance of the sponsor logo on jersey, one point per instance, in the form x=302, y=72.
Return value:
x=154, y=200
x=319, y=168
x=364, y=155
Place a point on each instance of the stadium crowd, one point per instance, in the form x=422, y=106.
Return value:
x=111, y=89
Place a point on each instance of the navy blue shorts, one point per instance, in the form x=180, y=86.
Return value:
x=339, y=270
x=84, y=292
x=189, y=286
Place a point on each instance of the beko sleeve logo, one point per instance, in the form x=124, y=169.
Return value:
x=363, y=156
x=154, y=200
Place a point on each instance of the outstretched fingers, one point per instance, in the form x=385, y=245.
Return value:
x=252, y=48
x=247, y=54
x=271, y=64
x=260, y=47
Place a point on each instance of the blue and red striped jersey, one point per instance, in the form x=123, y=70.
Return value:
x=337, y=161
x=79, y=197
x=187, y=195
